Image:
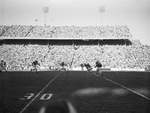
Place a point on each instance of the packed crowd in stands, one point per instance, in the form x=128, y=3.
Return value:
x=115, y=56
x=65, y=31
x=3, y=29
x=19, y=57
x=15, y=30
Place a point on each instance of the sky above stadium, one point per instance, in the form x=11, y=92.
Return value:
x=133, y=13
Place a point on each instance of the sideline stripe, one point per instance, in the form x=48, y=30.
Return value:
x=39, y=93
x=126, y=88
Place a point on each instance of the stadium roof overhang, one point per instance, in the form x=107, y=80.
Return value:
x=64, y=38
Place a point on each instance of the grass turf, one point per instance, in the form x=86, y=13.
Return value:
x=90, y=94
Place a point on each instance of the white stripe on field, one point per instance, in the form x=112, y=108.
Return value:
x=127, y=88
x=39, y=93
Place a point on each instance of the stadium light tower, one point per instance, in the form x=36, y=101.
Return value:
x=101, y=11
x=45, y=11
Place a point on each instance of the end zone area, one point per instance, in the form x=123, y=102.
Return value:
x=27, y=92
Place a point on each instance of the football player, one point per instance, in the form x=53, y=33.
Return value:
x=82, y=66
x=3, y=66
x=63, y=66
x=98, y=68
x=88, y=67
x=35, y=64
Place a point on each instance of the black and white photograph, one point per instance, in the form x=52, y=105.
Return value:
x=74, y=56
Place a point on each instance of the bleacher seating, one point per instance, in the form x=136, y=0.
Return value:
x=66, y=31
x=19, y=57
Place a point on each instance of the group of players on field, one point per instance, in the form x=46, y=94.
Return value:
x=35, y=65
x=98, y=66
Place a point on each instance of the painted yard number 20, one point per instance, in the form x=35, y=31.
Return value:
x=28, y=96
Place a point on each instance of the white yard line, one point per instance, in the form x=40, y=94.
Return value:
x=39, y=93
x=126, y=88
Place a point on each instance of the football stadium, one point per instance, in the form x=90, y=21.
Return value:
x=42, y=68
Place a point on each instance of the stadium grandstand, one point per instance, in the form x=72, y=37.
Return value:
x=114, y=46
x=74, y=56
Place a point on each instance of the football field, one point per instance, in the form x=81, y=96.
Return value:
x=116, y=92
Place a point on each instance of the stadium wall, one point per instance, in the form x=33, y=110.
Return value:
x=66, y=41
